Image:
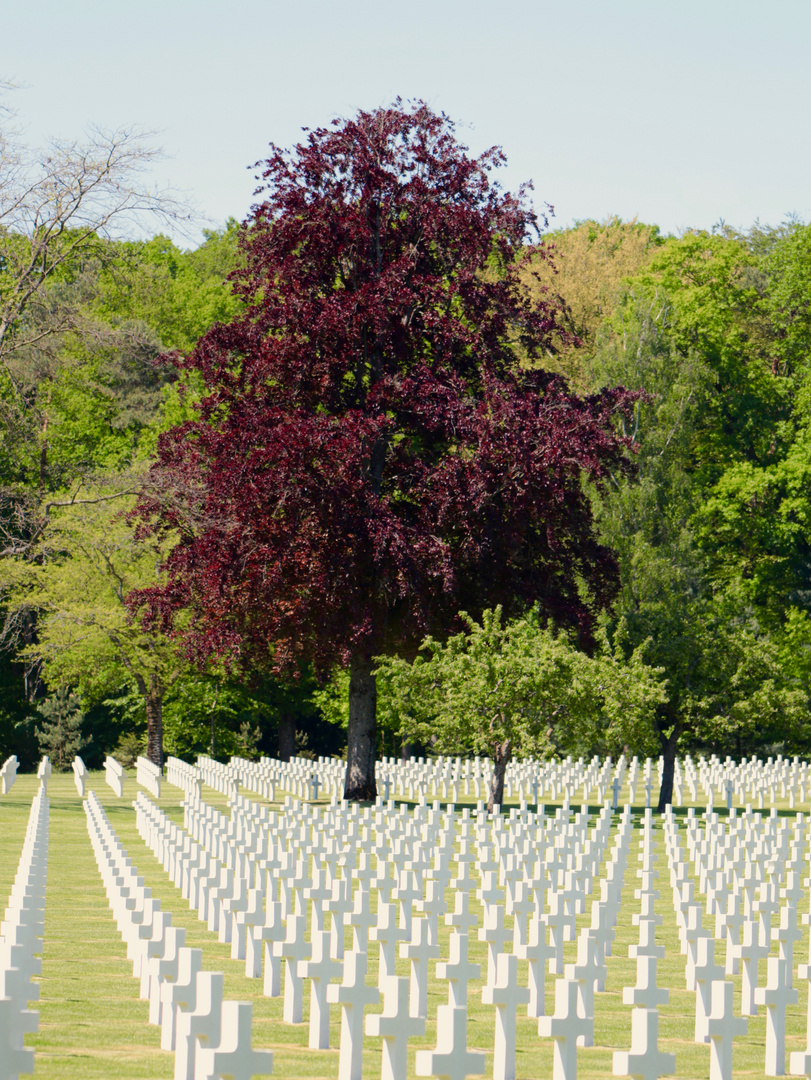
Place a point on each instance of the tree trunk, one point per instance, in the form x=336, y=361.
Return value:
x=154, y=721
x=32, y=675
x=360, y=784
x=669, y=755
x=501, y=759
x=287, y=736
x=213, y=722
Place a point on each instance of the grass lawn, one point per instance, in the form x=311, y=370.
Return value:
x=93, y=1024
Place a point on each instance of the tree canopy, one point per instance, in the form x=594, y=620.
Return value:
x=377, y=445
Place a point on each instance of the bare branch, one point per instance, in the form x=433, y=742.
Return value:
x=59, y=202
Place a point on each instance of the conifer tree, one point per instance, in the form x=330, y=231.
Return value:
x=60, y=735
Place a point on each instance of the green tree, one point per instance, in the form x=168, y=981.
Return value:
x=60, y=735
x=587, y=267
x=518, y=688
x=84, y=564
x=710, y=538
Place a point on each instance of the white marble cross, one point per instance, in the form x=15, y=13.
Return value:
x=234, y=1057
x=180, y=994
x=586, y=971
x=361, y=919
x=521, y=906
x=506, y=995
x=408, y=891
x=432, y=907
x=566, y=1027
x=458, y=970
x=557, y=920
x=292, y=949
x=160, y=968
x=395, y=1026
x=750, y=952
x=800, y=1060
x=722, y=1027
x=319, y=969
x=259, y=944
x=728, y=925
x=646, y=945
x=786, y=934
x=200, y=1026
x=14, y=1057
x=691, y=932
x=244, y=921
x=489, y=894
x=339, y=906
x=494, y=932
x=419, y=951
x=353, y=995
x=451, y=1059
x=461, y=918
x=646, y=994
x=644, y=1061
x=386, y=932
x=705, y=972
x=776, y=995
x=537, y=952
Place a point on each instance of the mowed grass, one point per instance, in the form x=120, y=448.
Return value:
x=94, y=1025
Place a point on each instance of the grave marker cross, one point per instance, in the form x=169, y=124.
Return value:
x=566, y=1027
x=319, y=970
x=776, y=995
x=451, y=1059
x=234, y=1057
x=458, y=970
x=394, y=1026
x=353, y=995
x=506, y=995
x=722, y=1027
x=419, y=951
x=644, y=1061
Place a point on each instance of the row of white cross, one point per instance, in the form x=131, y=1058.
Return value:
x=271, y=883
x=227, y=888
x=250, y=877
x=211, y=1037
x=149, y=776
x=452, y=778
x=20, y=941
x=8, y=774
x=210, y=885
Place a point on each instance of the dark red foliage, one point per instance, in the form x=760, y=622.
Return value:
x=371, y=457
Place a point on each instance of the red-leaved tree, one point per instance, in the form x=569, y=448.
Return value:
x=378, y=446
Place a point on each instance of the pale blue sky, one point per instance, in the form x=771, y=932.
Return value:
x=678, y=112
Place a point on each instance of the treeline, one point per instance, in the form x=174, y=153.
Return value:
x=82, y=401
x=713, y=537
x=712, y=534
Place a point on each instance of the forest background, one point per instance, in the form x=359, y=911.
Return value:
x=712, y=535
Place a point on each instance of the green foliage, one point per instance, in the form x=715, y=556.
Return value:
x=247, y=742
x=60, y=735
x=204, y=714
x=129, y=748
x=86, y=563
x=333, y=699
x=708, y=645
x=712, y=538
x=83, y=392
x=177, y=294
x=520, y=688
